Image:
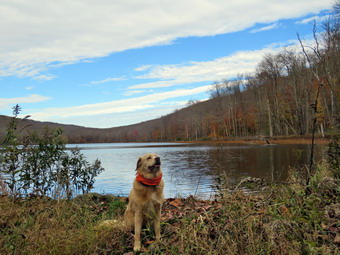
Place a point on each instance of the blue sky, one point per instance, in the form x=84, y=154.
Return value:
x=113, y=63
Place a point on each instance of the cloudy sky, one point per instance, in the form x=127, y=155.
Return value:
x=109, y=63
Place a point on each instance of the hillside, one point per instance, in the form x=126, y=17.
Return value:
x=141, y=132
x=74, y=133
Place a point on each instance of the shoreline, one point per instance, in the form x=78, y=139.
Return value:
x=272, y=140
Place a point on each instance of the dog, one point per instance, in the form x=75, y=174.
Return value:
x=146, y=197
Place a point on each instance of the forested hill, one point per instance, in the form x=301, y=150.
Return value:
x=166, y=128
x=292, y=92
x=76, y=134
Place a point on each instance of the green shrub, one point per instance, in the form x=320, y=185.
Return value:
x=33, y=164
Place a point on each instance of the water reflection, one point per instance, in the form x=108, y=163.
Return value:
x=192, y=169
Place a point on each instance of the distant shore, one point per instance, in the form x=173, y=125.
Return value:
x=263, y=140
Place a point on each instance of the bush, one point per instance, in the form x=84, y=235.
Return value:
x=33, y=164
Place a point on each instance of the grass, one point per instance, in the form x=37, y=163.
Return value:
x=283, y=219
x=45, y=226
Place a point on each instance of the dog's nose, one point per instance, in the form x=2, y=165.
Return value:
x=158, y=161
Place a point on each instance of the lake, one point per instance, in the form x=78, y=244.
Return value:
x=191, y=169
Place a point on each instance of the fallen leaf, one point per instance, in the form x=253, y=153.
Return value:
x=149, y=242
x=176, y=203
x=207, y=207
x=337, y=238
x=283, y=209
x=324, y=226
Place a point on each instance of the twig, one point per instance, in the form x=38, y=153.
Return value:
x=315, y=105
x=199, y=180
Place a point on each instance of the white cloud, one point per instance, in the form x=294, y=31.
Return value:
x=5, y=103
x=208, y=71
x=175, y=103
x=65, y=32
x=119, y=106
x=120, y=119
x=44, y=77
x=266, y=28
x=110, y=79
x=133, y=92
x=143, y=68
x=311, y=20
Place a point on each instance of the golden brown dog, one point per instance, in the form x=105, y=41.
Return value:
x=146, y=197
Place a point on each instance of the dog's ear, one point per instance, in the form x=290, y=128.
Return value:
x=139, y=163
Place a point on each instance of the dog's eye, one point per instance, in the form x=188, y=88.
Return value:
x=148, y=158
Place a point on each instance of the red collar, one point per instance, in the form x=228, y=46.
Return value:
x=149, y=182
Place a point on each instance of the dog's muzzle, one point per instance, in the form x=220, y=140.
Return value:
x=157, y=164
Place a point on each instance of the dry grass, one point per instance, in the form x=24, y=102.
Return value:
x=281, y=220
x=45, y=226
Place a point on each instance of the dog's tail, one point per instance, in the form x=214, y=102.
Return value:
x=112, y=224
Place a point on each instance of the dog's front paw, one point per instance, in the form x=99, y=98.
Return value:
x=137, y=246
x=158, y=236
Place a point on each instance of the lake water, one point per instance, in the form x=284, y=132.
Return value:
x=191, y=169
